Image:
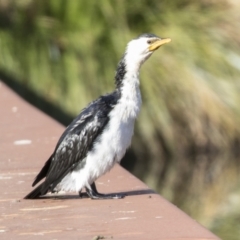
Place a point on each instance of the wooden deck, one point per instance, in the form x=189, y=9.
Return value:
x=27, y=139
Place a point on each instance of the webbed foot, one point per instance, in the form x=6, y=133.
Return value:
x=94, y=194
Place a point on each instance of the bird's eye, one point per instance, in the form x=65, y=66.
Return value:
x=149, y=41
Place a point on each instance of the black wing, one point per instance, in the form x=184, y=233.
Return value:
x=76, y=141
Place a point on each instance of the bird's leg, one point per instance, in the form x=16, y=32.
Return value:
x=94, y=194
x=80, y=193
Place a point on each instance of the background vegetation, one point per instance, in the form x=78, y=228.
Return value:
x=187, y=137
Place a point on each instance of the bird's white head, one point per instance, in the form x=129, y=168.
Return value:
x=141, y=48
x=137, y=52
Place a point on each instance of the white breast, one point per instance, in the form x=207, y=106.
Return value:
x=111, y=145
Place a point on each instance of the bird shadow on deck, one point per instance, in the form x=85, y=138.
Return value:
x=84, y=195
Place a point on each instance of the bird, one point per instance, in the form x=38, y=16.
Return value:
x=99, y=136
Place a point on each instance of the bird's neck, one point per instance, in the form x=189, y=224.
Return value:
x=127, y=84
x=127, y=73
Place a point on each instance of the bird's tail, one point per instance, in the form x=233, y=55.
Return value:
x=36, y=193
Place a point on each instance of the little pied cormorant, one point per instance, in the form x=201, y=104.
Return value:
x=99, y=136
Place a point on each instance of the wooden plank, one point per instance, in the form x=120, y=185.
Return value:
x=27, y=139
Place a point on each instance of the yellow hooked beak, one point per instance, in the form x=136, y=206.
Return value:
x=155, y=45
